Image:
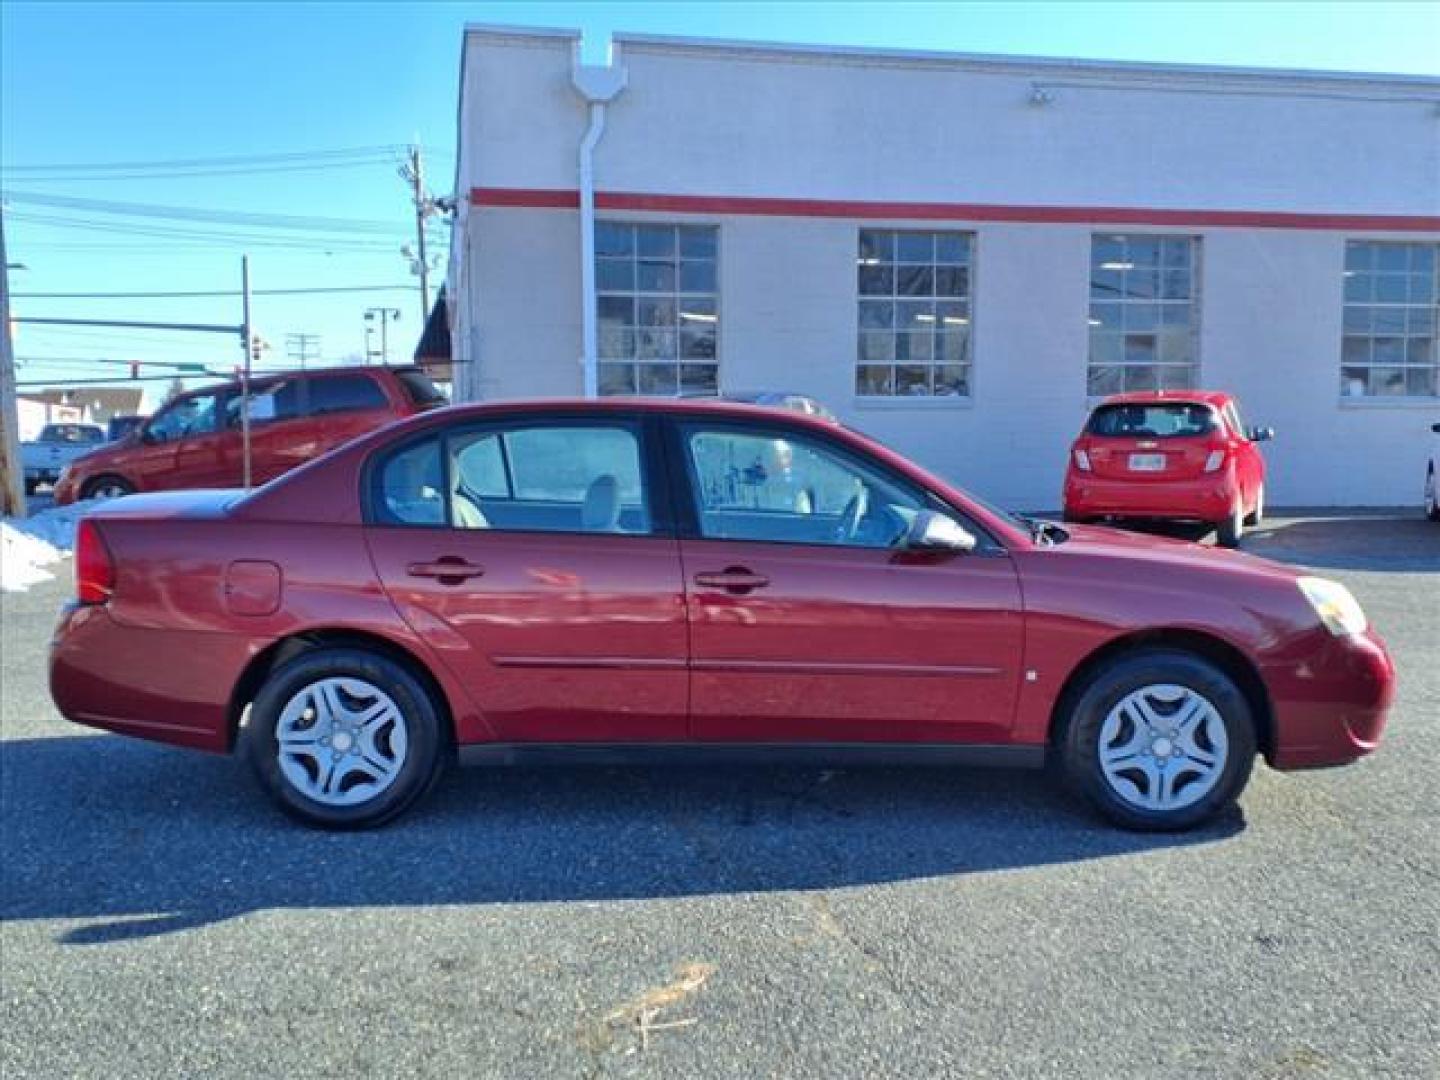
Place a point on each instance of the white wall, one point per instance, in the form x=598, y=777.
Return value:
x=814, y=126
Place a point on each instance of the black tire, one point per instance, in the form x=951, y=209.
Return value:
x=1229, y=531
x=1073, y=519
x=111, y=487
x=425, y=736
x=1079, y=745
x=1256, y=517
x=1432, y=499
x=31, y=486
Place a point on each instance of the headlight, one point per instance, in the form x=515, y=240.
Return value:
x=1338, y=610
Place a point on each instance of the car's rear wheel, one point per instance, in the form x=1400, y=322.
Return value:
x=1159, y=740
x=1257, y=516
x=1432, y=500
x=107, y=487
x=344, y=738
x=1229, y=531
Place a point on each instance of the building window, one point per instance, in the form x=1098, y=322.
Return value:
x=1144, y=313
x=1391, y=310
x=656, y=290
x=915, y=292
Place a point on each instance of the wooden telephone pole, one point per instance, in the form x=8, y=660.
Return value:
x=12, y=470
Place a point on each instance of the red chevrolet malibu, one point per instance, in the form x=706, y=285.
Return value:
x=497, y=581
x=1170, y=455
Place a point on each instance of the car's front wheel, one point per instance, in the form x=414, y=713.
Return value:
x=107, y=487
x=344, y=738
x=1159, y=740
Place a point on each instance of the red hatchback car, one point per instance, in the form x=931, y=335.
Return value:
x=1174, y=455
x=195, y=441
x=592, y=578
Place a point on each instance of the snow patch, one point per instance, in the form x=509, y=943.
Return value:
x=29, y=545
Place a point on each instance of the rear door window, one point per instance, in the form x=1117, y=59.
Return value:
x=345, y=393
x=1162, y=420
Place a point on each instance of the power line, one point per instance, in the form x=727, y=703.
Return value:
x=240, y=159
x=232, y=238
x=214, y=292
x=168, y=212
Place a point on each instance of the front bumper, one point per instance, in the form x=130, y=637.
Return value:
x=1207, y=498
x=1332, y=704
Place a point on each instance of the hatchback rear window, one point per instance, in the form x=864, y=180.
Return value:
x=1169, y=420
x=420, y=389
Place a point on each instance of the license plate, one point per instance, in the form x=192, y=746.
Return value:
x=1147, y=462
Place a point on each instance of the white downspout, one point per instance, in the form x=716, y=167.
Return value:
x=598, y=86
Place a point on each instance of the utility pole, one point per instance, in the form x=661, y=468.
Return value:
x=413, y=172
x=12, y=487
x=251, y=344
x=301, y=348
x=383, y=315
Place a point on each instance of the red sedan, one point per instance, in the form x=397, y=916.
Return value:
x=1172, y=455
x=505, y=581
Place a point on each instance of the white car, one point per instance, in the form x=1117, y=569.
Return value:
x=1432, y=477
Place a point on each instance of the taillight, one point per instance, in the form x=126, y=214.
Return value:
x=1215, y=460
x=1082, y=459
x=94, y=569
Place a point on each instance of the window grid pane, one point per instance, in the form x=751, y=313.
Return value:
x=914, y=311
x=1144, y=313
x=657, y=300
x=1392, y=307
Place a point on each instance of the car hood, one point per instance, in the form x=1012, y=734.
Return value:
x=1107, y=543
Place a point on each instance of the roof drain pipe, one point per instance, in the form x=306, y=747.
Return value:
x=598, y=86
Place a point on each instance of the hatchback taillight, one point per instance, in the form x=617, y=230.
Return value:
x=1082, y=459
x=1215, y=460
x=94, y=568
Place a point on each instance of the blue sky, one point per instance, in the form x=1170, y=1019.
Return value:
x=99, y=84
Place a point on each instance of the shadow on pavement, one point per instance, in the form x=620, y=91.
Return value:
x=140, y=840
x=1391, y=544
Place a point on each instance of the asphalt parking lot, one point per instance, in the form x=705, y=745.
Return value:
x=159, y=919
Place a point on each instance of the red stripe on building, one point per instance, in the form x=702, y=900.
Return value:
x=569, y=199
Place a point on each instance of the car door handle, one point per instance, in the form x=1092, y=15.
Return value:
x=734, y=579
x=449, y=569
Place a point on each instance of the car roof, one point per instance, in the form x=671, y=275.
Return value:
x=1217, y=398
x=698, y=406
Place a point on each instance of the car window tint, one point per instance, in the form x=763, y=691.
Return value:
x=780, y=488
x=345, y=393
x=268, y=402
x=1167, y=420
x=560, y=478
x=410, y=486
x=195, y=415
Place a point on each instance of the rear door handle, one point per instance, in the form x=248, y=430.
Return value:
x=448, y=569
x=733, y=579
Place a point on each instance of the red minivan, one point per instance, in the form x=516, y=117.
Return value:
x=196, y=442
x=1171, y=455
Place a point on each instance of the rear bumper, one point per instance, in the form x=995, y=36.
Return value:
x=1331, y=706
x=169, y=686
x=1206, y=499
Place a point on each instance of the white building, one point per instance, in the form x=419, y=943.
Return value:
x=956, y=252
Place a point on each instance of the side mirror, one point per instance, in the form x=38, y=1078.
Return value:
x=146, y=436
x=936, y=532
x=1261, y=434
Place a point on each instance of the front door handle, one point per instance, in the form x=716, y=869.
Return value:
x=448, y=570
x=733, y=579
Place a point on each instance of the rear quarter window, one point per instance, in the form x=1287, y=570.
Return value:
x=345, y=393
